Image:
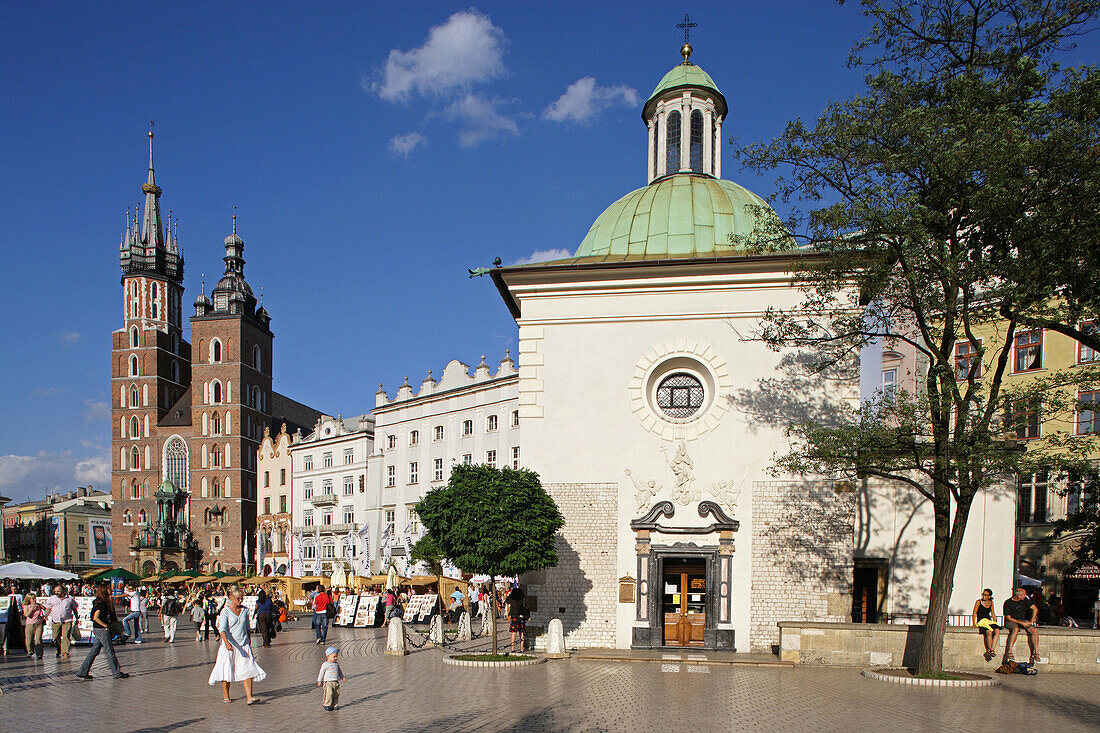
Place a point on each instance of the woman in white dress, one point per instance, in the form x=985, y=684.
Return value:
x=235, y=663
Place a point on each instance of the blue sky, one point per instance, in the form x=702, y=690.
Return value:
x=374, y=151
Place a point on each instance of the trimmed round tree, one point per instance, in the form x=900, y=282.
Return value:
x=492, y=521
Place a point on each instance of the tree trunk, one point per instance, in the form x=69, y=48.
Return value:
x=945, y=555
x=493, y=603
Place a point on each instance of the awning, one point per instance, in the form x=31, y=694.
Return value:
x=31, y=571
x=1023, y=581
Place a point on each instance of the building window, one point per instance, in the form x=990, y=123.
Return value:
x=1029, y=351
x=491, y=458
x=515, y=418
x=326, y=487
x=216, y=393
x=135, y=427
x=267, y=505
x=349, y=515
x=437, y=432
x=175, y=461
x=967, y=359
x=307, y=463
x=889, y=382
x=467, y=459
x=282, y=477
x=143, y=517
x=467, y=427
x=307, y=517
x=216, y=542
x=133, y=337
x=391, y=519
x=215, y=351
x=679, y=395
x=282, y=503
x=414, y=522
x=307, y=489
x=309, y=552
x=215, y=489
x=267, y=479
x=176, y=372
x=349, y=456
x=133, y=366
x=80, y=528
x=215, y=457
x=327, y=460
x=80, y=555
x=656, y=137
x=695, y=151
x=1087, y=354
x=1088, y=413
x=326, y=517
x=491, y=423
x=135, y=459
x=414, y=474
x=135, y=490
x=672, y=146
x=391, y=441
x=216, y=424
x=515, y=457
x=391, y=475
x=133, y=396
x=349, y=485
x=437, y=469
x=1078, y=489
x=414, y=437
x=1032, y=503
x=256, y=363
x=1025, y=419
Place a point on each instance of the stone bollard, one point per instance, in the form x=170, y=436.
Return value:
x=464, y=627
x=395, y=640
x=555, y=640
x=435, y=630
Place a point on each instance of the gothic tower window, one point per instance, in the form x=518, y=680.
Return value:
x=135, y=460
x=696, y=150
x=215, y=424
x=143, y=517
x=215, y=490
x=135, y=310
x=133, y=395
x=175, y=372
x=133, y=366
x=216, y=393
x=256, y=358
x=135, y=492
x=154, y=301
x=133, y=337
x=215, y=457
x=175, y=462
x=215, y=351
x=135, y=427
x=672, y=145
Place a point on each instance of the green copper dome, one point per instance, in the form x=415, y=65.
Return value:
x=679, y=216
x=685, y=75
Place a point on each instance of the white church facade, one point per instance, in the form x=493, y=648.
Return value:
x=653, y=421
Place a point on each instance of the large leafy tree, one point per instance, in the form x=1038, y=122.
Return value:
x=492, y=521
x=952, y=202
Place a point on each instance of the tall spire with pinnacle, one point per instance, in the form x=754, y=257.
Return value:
x=150, y=247
x=152, y=232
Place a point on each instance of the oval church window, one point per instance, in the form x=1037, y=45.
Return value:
x=680, y=395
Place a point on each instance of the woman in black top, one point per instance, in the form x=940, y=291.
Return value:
x=985, y=618
x=103, y=615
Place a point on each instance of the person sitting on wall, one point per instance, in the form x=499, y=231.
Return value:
x=1020, y=612
x=985, y=618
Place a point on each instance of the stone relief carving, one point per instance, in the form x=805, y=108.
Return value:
x=644, y=491
x=683, y=470
x=726, y=494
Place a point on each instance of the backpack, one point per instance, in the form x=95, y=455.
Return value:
x=330, y=609
x=169, y=608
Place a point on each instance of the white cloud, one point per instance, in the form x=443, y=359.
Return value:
x=46, y=392
x=584, y=100
x=96, y=410
x=481, y=120
x=542, y=255
x=404, y=145
x=464, y=50
x=26, y=477
x=70, y=337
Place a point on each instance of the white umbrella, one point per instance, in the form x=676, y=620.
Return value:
x=30, y=571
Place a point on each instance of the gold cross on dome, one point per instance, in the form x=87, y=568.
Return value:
x=687, y=25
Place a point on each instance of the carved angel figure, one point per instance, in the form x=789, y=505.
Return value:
x=644, y=491
x=726, y=494
x=683, y=469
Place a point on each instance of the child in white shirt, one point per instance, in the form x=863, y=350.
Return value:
x=330, y=676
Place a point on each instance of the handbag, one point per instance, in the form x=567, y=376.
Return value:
x=116, y=629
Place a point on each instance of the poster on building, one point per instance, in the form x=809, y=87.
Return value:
x=345, y=615
x=367, y=611
x=100, y=551
x=56, y=525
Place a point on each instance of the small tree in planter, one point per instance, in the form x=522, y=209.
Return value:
x=492, y=521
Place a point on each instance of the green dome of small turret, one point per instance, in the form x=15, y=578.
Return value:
x=685, y=75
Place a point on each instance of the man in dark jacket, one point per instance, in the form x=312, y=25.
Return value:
x=1021, y=613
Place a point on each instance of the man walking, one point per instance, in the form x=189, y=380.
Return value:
x=321, y=602
x=169, y=611
x=1020, y=612
x=134, y=617
x=62, y=617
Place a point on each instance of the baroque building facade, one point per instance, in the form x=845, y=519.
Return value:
x=189, y=417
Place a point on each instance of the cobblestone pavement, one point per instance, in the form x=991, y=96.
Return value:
x=168, y=691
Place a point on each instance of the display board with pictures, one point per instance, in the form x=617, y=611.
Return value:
x=249, y=602
x=366, y=613
x=345, y=614
x=419, y=608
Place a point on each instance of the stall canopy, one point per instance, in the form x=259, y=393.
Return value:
x=30, y=571
x=117, y=573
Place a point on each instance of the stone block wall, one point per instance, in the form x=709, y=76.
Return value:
x=897, y=645
x=581, y=590
x=802, y=544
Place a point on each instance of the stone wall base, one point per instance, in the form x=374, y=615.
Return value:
x=894, y=645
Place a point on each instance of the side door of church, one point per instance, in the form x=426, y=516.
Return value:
x=683, y=603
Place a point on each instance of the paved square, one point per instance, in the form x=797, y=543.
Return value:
x=168, y=690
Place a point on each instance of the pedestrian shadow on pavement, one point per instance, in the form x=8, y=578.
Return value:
x=1085, y=712
x=170, y=726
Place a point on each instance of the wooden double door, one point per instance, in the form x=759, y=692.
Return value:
x=684, y=602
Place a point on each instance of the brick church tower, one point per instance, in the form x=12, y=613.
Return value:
x=192, y=418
